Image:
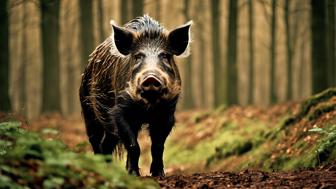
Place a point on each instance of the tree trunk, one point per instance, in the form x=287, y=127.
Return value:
x=5, y=104
x=251, y=51
x=187, y=86
x=289, y=49
x=217, y=68
x=24, y=58
x=202, y=51
x=86, y=30
x=273, y=96
x=50, y=29
x=319, y=46
x=331, y=43
x=124, y=11
x=71, y=78
x=137, y=8
x=71, y=84
x=232, y=72
x=101, y=21
x=158, y=10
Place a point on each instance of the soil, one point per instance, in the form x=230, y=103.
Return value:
x=321, y=177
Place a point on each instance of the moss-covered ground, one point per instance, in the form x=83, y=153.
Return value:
x=28, y=161
x=282, y=137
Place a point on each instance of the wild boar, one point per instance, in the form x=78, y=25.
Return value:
x=132, y=80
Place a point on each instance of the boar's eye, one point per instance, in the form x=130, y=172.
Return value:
x=165, y=56
x=139, y=56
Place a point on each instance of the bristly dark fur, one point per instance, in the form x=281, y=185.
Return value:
x=113, y=113
x=148, y=30
x=144, y=24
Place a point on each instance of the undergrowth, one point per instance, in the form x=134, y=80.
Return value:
x=27, y=161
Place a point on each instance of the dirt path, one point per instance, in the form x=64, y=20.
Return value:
x=323, y=177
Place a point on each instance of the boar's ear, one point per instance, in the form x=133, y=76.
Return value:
x=122, y=40
x=179, y=40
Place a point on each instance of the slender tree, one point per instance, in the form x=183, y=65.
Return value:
x=50, y=30
x=86, y=30
x=331, y=42
x=202, y=49
x=137, y=8
x=215, y=34
x=251, y=51
x=158, y=9
x=289, y=49
x=273, y=96
x=5, y=104
x=232, y=71
x=24, y=58
x=188, y=101
x=72, y=95
x=124, y=11
x=319, y=46
x=101, y=22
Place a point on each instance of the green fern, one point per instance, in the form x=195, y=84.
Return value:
x=325, y=149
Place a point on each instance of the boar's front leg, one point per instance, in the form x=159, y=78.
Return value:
x=159, y=131
x=128, y=136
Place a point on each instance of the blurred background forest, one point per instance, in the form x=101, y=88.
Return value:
x=245, y=52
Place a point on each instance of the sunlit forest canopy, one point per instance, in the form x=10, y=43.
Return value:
x=245, y=52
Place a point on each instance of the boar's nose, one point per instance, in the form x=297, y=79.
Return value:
x=151, y=83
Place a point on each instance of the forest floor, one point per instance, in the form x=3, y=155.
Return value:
x=290, y=145
x=322, y=177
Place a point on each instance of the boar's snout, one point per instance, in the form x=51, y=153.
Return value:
x=151, y=83
x=152, y=87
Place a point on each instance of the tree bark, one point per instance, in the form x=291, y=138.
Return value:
x=218, y=83
x=251, y=51
x=124, y=11
x=289, y=49
x=273, y=96
x=232, y=72
x=24, y=58
x=331, y=42
x=86, y=30
x=137, y=8
x=101, y=21
x=187, y=87
x=158, y=10
x=202, y=51
x=319, y=46
x=5, y=104
x=50, y=29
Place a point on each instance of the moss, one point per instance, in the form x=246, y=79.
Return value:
x=227, y=150
x=320, y=111
x=178, y=153
x=308, y=104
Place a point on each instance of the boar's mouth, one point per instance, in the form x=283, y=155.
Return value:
x=151, y=96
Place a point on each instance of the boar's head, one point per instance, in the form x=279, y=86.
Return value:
x=150, y=50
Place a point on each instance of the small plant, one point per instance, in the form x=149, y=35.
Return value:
x=326, y=148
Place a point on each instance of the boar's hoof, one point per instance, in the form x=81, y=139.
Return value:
x=159, y=173
x=134, y=172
